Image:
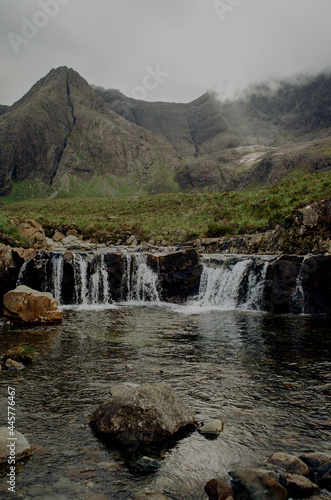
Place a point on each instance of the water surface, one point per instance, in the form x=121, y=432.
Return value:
x=262, y=375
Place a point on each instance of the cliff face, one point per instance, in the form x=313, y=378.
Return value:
x=67, y=135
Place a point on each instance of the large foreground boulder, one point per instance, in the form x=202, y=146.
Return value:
x=143, y=414
x=25, y=305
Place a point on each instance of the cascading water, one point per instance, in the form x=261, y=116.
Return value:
x=299, y=294
x=57, y=275
x=139, y=280
x=229, y=283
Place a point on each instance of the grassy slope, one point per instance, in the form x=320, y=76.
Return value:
x=177, y=216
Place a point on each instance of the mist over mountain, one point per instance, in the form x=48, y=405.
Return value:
x=67, y=137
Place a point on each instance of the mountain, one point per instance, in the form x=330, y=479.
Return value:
x=65, y=137
x=63, y=134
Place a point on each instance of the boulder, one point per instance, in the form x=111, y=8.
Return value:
x=319, y=464
x=299, y=486
x=31, y=231
x=25, y=305
x=217, y=490
x=144, y=414
x=289, y=463
x=256, y=485
x=21, y=449
x=58, y=236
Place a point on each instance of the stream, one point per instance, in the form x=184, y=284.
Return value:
x=264, y=376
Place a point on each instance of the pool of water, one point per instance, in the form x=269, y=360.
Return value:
x=262, y=375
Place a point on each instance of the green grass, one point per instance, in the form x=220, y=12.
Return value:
x=176, y=216
x=8, y=229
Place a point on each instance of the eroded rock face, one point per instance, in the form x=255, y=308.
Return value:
x=144, y=414
x=25, y=305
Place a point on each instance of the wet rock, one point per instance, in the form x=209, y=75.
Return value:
x=217, y=490
x=315, y=459
x=145, y=414
x=144, y=466
x=21, y=354
x=179, y=273
x=20, y=446
x=320, y=468
x=211, y=427
x=25, y=305
x=10, y=364
x=256, y=485
x=289, y=463
x=299, y=486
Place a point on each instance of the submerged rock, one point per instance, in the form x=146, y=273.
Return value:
x=299, y=486
x=19, y=446
x=144, y=414
x=256, y=485
x=25, y=305
x=217, y=490
x=289, y=463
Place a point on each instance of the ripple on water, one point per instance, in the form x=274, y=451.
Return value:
x=259, y=374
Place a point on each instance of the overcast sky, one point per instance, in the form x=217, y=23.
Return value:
x=171, y=50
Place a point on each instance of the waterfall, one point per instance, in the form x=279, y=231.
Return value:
x=80, y=274
x=299, y=294
x=232, y=283
x=140, y=282
x=21, y=273
x=57, y=274
x=91, y=287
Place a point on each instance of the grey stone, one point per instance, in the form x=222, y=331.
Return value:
x=212, y=427
x=143, y=414
x=22, y=448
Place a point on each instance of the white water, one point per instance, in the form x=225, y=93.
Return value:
x=141, y=282
x=227, y=282
x=57, y=275
x=231, y=284
x=94, y=289
x=299, y=290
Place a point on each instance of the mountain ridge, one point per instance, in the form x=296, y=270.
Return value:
x=74, y=138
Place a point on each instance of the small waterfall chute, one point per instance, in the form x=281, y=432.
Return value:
x=140, y=282
x=57, y=275
x=232, y=283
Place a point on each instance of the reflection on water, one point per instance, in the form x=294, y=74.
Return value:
x=262, y=375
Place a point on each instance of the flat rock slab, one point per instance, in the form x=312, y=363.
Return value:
x=145, y=414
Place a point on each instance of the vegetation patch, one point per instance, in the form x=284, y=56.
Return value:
x=176, y=217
